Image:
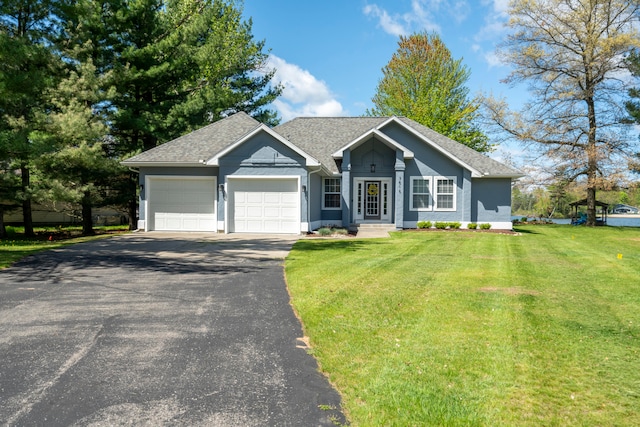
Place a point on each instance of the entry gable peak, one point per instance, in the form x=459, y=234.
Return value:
x=394, y=119
x=379, y=136
x=310, y=161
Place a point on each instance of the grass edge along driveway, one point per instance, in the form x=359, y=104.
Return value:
x=462, y=328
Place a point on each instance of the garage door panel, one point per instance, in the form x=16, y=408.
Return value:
x=289, y=199
x=253, y=197
x=273, y=212
x=288, y=213
x=265, y=206
x=182, y=204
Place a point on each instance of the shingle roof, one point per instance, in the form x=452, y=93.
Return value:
x=319, y=137
x=201, y=144
x=480, y=162
x=322, y=136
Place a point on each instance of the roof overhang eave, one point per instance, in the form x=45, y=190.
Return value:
x=138, y=164
x=497, y=176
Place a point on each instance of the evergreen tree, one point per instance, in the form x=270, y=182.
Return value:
x=177, y=66
x=423, y=82
x=28, y=68
x=78, y=166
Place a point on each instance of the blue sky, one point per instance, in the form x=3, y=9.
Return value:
x=329, y=54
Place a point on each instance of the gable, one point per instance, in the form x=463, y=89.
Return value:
x=262, y=149
x=269, y=137
x=197, y=147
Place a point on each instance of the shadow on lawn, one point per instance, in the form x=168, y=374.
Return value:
x=524, y=231
x=350, y=245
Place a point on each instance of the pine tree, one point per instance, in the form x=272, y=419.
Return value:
x=27, y=69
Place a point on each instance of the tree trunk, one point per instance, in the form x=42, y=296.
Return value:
x=133, y=203
x=592, y=160
x=87, y=214
x=27, y=216
x=3, y=229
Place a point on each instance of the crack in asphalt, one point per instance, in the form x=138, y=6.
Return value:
x=38, y=393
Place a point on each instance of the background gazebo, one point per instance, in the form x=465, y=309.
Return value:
x=601, y=214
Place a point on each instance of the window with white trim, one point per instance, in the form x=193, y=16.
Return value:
x=420, y=193
x=331, y=193
x=445, y=196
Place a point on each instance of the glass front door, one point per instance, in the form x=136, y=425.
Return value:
x=372, y=200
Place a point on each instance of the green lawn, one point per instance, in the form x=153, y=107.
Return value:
x=463, y=328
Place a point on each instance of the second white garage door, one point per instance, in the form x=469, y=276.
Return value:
x=264, y=205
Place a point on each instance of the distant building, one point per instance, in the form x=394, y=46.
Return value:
x=624, y=209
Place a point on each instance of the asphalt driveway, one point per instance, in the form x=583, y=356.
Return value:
x=157, y=329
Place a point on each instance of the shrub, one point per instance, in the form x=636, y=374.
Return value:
x=325, y=231
x=340, y=231
x=454, y=225
x=424, y=224
x=485, y=226
x=441, y=225
x=472, y=226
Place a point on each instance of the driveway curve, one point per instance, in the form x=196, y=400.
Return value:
x=157, y=329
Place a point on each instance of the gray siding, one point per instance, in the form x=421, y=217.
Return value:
x=265, y=156
x=491, y=200
x=430, y=162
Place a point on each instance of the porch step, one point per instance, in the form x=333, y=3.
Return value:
x=372, y=230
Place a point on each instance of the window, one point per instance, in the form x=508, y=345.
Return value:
x=420, y=193
x=445, y=194
x=331, y=193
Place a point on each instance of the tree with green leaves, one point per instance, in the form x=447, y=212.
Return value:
x=77, y=166
x=423, y=82
x=28, y=67
x=571, y=54
x=176, y=66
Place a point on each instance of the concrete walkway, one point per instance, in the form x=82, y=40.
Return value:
x=157, y=329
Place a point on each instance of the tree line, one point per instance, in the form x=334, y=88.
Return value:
x=87, y=83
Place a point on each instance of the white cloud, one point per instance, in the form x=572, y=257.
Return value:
x=420, y=18
x=389, y=25
x=493, y=31
x=303, y=94
x=493, y=59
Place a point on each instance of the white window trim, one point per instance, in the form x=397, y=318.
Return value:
x=435, y=193
x=324, y=207
x=431, y=201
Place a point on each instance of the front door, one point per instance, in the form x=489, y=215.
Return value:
x=372, y=200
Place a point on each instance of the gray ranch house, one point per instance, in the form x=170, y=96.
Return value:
x=240, y=176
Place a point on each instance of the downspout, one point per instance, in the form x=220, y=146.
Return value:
x=308, y=195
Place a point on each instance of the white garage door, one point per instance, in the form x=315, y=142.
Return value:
x=182, y=204
x=264, y=205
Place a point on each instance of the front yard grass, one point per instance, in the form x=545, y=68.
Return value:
x=463, y=328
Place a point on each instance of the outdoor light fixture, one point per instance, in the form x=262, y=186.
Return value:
x=141, y=187
x=221, y=187
x=373, y=154
x=304, y=188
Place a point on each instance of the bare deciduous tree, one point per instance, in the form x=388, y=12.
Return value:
x=572, y=55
